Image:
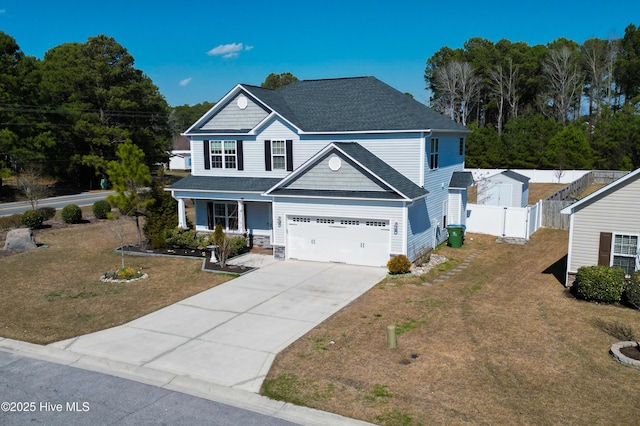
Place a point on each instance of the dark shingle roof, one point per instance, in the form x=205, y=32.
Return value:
x=351, y=105
x=225, y=184
x=516, y=176
x=461, y=180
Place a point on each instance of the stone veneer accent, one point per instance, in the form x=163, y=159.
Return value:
x=278, y=252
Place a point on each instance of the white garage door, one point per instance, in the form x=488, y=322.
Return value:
x=345, y=240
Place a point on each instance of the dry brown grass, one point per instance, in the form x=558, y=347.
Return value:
x=500, y=342
x=54, y=293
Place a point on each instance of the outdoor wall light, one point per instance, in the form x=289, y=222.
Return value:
x=395, y=228
x=279, y=221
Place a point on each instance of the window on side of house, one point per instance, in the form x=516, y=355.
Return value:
x=278, y=155
x=625, y=252
x=433, y=153
x=461, y=148
x=223, y=155
x=226, y=215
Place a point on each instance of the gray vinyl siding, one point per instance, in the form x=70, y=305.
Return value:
x=393, y=212
x=420, y=230
x=233, y=118
x=615, y=212
x=437, y=182
x=346, y=178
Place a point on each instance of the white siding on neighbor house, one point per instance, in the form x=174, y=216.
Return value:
x=393, y=212
x=614, y=211
x=231, y=117
x=180, y=160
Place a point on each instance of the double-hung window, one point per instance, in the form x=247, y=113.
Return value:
x=625, y=252
x=226, y=215
x=223, y=155
x=278, y=155
x=433, y=153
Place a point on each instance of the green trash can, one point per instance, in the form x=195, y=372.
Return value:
x=456, y=235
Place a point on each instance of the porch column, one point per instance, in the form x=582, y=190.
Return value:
x=182, y=215
x=241, y=216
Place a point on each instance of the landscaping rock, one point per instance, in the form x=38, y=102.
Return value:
x=20, y=239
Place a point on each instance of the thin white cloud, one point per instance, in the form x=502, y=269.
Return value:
x=3, y=10
x=184, y=82
x=230, y=50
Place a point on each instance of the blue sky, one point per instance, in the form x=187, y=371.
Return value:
x=197, y=51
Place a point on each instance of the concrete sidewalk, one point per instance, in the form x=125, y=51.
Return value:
x=229, y=335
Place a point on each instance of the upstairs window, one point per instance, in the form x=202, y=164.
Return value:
x=278, y=155
x=223, y=155
x=461, y=148
x=433, y=153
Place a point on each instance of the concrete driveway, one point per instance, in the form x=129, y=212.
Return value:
x=230, y=334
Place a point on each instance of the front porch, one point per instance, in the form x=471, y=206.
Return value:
x=237, y=217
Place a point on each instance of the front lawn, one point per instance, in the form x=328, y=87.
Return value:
x=54, y=293
x=500, y=342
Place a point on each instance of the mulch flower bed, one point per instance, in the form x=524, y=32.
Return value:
x=203, y=253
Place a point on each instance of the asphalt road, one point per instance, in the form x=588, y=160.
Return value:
x=82, y=199
x=40, y=392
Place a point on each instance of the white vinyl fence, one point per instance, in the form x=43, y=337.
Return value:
x=513, y=222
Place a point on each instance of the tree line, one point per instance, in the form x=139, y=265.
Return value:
x=555, y=106
x=68, y=113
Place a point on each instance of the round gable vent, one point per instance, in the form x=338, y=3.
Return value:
x=242, y=102
x=335, y=163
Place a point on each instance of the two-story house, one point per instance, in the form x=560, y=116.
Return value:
x=339, y=170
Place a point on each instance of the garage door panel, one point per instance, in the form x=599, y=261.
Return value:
x=352, y=241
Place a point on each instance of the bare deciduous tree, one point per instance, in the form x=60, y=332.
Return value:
x=459, y=87
x=565, y=81
x=504, y=86
x=31, y=184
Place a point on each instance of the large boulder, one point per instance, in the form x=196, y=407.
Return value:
x=20, y=239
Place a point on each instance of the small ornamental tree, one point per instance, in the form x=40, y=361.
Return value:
x=129, y=177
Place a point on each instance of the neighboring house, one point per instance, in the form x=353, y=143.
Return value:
x=341, y=170
x=180, y=158
x=605, y=226
x=508, y=189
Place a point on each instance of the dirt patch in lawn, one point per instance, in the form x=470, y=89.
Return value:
x=54, y=293
x=499, y=342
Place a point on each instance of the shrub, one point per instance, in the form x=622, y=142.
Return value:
x=162, y=215
x=9, y=222
x=599, y=283
x=179, y=238
x=31, y=219
x=101, y=209
x=47, y=212
x=238, y=243
x=632, y=289
x=71, y=213
x=399, y=264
